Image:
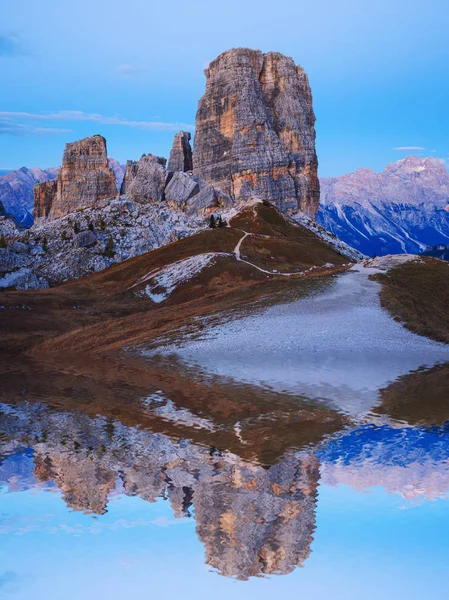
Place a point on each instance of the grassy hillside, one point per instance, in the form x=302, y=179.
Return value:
x=111, y=309
x=417, y=295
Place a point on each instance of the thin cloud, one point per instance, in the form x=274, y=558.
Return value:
x=443, y=161
x=409, y=148
x=78, y=115
x=127, y=71
x=11, y=45
x=8, y=127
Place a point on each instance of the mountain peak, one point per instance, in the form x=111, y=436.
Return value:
x=415, y=164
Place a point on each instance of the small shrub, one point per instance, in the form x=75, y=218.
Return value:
x=102, y=225
x=45, y=244
x=110, y=247
x=212, y=223
x=64, y=236
x=2, y=241
x=91, y=226
x=76, y=227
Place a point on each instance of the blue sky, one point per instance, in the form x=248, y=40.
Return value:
x=366, y=545
x=133, y=71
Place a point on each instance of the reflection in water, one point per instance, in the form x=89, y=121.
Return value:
x=411, y=462
x=254, y=508
x=251, y=519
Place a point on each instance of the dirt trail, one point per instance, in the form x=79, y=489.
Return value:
x=240, y=259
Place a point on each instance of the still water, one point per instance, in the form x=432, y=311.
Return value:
x=137, y=479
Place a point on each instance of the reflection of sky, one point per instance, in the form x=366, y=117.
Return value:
x=366, y=546
x=381, y=515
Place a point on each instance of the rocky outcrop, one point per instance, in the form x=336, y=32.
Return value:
x=17, y=189
x=8, y=225
x=181, y=153
x=119, y=172
x=403, y=209
x=255, y=133
x=87, y=241
x=145, y=179
x=180, y=189
x=85, y=178
x=44, y=195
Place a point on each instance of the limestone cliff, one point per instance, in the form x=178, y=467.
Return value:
x=44, y=195
x=181, y=153
x=145, y=179
x=255, y=134
x=84, y=180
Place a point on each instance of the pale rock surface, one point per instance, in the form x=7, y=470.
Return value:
x=181, y=188
x=85, y=178
x=144, y=180
x=181, y=153
x=87, y=241
x=255, y=132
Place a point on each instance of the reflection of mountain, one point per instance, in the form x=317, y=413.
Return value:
x=244, y=461
x=257, y=424
x=258, y=521
x=252, y=520
x=413, y=462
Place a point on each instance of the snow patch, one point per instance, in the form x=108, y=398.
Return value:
x=163, y=407
x=163, y=282
x=385, y=263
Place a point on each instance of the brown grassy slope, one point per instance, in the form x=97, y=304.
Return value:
x=103, y=312
x=288, y=246
x=403, y=399
x=269, y=422
x=417, y=295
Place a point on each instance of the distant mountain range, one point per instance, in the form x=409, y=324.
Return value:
x=16, y=189
x=403, y=209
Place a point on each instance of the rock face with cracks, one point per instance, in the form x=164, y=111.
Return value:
x=145, y=179
x=181, y=153
x=85, y=177
x=255, y=134
x=44, y=195
x=84, y=180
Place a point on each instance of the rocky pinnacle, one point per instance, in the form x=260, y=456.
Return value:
x=84, y=180
x=255, y=134
x=181, y=153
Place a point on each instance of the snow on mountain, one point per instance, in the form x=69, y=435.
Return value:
x=405, y=208
x=16, y=191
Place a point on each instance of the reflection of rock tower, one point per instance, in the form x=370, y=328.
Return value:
x=252, y=520
x=84, y=483
x=255, y=521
